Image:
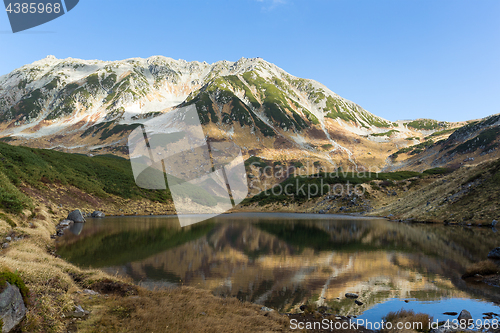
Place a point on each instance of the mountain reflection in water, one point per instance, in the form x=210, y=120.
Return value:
x=282, y=260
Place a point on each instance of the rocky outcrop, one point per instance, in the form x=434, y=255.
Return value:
x=76, y=216
x=12, y=308
x=97, y=214
x=494, y=254
x=464, y=315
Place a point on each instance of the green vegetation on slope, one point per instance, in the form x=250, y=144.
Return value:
x=388, y=133
x=204, y=107
x=335, y=110
x=276, y=102
x=472, y=127
x=302, y=188
x=29, y=106
x=485, y=141
x=439, y=133
x=256, y=162
x=338, y=108
x=219, y=90
x=416, y=149
x=11, y=198
x=15, y=280
x=427, y=124
x=101, y=176
x=108, y=129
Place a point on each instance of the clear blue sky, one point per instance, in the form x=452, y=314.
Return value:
x=399, y=59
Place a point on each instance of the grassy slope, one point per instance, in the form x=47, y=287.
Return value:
x=102, y=177
x=299, y=185
x=470, y=194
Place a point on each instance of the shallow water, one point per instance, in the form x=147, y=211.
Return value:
x=284, y=260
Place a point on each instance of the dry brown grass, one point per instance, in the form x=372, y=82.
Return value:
x=486, y=267
x=422, y=321
x=47, y=277
x=180, y=310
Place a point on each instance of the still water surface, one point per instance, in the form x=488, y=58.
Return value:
x=284, y=260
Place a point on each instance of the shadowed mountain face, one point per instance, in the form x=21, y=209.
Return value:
x=84, y=106
x=283, y=260
x=476, y=142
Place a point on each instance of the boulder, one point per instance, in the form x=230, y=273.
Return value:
x=358, y=302
x=351, y=295
x=464, y=315
x=98, y=214
x=494, y=254
x=494, y=223
x=12, y=308
x=76, y=216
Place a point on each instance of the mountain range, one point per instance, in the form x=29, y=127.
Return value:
x=89, y=107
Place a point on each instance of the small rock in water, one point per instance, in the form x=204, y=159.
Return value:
x=450, y=313
x=494, y=223
x=98, y=214
x=407, y=301
x=358, y=302
x=464, y=315
x=351, y=295
x=490, y=314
